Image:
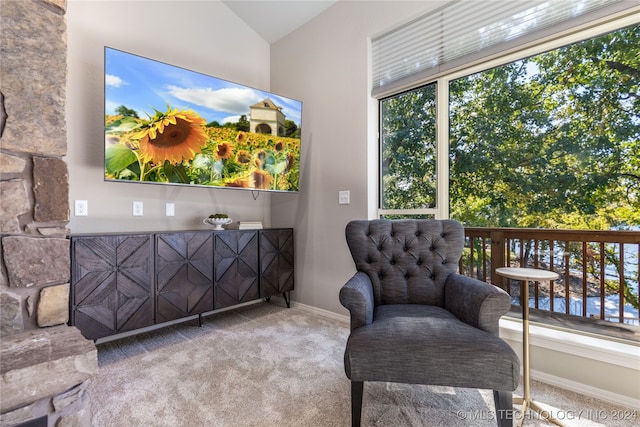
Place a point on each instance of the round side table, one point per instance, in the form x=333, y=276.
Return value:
x=525, y=275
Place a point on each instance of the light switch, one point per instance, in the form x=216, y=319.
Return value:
x=170, y=209
x=344, y=197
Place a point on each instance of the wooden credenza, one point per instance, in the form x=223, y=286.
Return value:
x=124, y=282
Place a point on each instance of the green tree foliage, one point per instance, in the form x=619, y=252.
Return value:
x=127, y=112
x=227, y=125
x=550, y=141
x=409, y=149
x=291, y=129
x=243, y=124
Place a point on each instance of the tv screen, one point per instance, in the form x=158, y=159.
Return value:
x=165, y=124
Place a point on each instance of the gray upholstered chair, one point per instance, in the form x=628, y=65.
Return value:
x=414, y=320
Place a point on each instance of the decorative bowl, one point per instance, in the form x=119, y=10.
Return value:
x=217, y=222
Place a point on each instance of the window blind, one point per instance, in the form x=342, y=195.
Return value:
x=462, y=32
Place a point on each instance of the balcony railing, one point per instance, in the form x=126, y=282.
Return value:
x=599, y=275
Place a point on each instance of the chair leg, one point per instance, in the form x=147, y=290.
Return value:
x=357, y=388
x=504, y=407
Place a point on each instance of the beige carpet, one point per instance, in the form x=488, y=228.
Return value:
x=266, y=365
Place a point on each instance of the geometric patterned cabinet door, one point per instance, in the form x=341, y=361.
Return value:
x=112, y=284
x=236, y=267
x=276, y=262
x=184, y=274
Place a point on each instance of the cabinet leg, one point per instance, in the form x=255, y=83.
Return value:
x=287, y=298
x=200, y=320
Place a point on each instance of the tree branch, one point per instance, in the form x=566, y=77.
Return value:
x=619, y=66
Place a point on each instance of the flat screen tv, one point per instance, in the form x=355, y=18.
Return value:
x=165, y=124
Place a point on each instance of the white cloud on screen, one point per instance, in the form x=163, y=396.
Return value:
x=229, y=100
x=231, y=119
x=115, y=81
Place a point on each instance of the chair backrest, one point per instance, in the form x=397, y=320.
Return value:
x=408, y=261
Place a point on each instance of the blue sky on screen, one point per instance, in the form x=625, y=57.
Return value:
x=143, y=84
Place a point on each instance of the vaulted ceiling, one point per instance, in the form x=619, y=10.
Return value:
x=274, y=19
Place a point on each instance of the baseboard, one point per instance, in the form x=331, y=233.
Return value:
x=585, y=389
x=321, y=312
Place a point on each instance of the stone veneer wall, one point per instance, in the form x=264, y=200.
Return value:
x=34, y=184
x=39, y=375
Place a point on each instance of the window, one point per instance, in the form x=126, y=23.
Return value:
x=548, y=138
x=573, y=111
x=550, y=141
x=408, y=151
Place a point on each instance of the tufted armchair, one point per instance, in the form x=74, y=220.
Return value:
x=414, y=320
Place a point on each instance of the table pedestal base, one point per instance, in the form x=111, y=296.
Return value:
x=524, y=275
x=530, y=404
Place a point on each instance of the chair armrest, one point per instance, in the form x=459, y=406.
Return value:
x=357, y=296
x=477, y=303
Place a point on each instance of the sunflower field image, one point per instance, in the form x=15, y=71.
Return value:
x=177, y=147
x=221, y=135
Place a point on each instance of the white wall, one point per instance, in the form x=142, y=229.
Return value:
x=201, y=36
x=325, y=64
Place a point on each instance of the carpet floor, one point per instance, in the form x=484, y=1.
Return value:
x=269, y=366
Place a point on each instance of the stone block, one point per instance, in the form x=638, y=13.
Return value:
x=44, y=363
x=11, y=164
x=81, y=418
x=54, y=231
x=69, y=398
x=53, y=306
x=50, y=189
x=29, y=305
x=14, y=201
x=17, y=416
x=34, y=72
x=46, y=231
x=10, y=314
x=58, y=5
x=34, y=261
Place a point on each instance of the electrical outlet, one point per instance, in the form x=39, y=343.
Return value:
x=82, y=208
x=170, y=209
x=344, y=197
x=138, y=208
